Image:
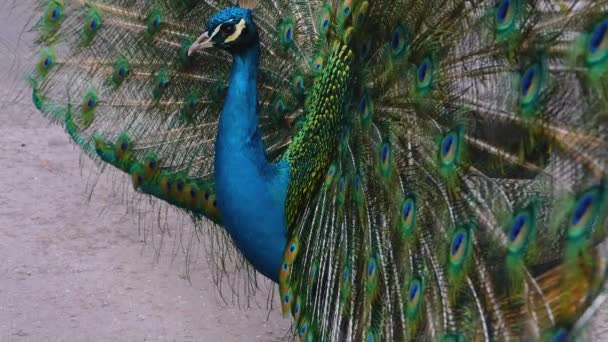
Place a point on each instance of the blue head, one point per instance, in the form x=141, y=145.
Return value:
x=232, y=29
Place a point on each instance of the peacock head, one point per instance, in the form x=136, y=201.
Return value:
x=232, y=29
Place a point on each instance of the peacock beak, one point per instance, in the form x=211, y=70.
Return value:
x=203, y=42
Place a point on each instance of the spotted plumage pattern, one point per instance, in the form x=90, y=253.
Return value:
x=325, y=116
x=434, y=169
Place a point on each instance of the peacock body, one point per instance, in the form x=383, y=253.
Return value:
x=404, y=170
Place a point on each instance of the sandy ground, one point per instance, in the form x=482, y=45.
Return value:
x=73, y=269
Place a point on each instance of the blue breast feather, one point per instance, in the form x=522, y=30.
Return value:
x=251, y=191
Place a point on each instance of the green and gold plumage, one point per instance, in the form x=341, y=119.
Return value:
x=447, y=159
x=312, y=150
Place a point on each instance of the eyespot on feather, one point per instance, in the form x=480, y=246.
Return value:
x=364, y=45
x=507, y=14
x=278, y=107
x=531, y=84
x=361, y=15
x=92, y=25
x=449, y=149
x=154, y=22
x=325, y=19
x=54, y=15
x=414, y=295
x=372, y=336
x=190, y=195
x=317, y=64
x=399, y=41
x=366, y=109
x=178, y=190
x=89, y=103
x=313, y=273
x=297, y=308
x=161, y=82
x=371, y=276
x=331, y=173
x=385, y=157
x=408, y=216
x=585, y=212
x=597, y=44
x=424, y=76
x=345, y=10
x=297, y=84
x=190, y=106
x=303, y=329
x=46, y=62
x=151, y=166
x=291, y=251
x=284, y=272
x=121, y=71
x=137, y=177
x=123, y=147
x=460, y=246
x=287, y=32
x=286, y=300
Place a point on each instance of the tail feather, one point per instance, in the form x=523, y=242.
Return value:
x=469, y=124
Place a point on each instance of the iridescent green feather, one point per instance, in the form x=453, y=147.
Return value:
x=160, y=84
x=92, y=24
x=154, y=22
x=508, y=16
x=121, y=71
x=585, y=215
x=46, y=62
x=520, y=230
x=53, y=17
x=87, y=108
x=460, y=251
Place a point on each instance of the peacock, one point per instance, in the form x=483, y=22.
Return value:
x=402, y=170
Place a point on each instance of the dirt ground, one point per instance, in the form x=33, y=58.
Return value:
x=78, y=270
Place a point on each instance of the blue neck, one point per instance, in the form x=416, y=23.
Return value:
x=239, y=119
x=251, y=191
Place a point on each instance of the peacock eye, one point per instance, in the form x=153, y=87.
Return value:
x=228, y=29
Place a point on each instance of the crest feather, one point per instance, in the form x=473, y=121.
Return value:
x=247, y=4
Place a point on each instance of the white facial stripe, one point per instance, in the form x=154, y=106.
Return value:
x=239, y=28
x=216, y=31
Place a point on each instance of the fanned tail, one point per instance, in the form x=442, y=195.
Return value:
x=118, y=77
x=465, y=197
x=448, y=158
